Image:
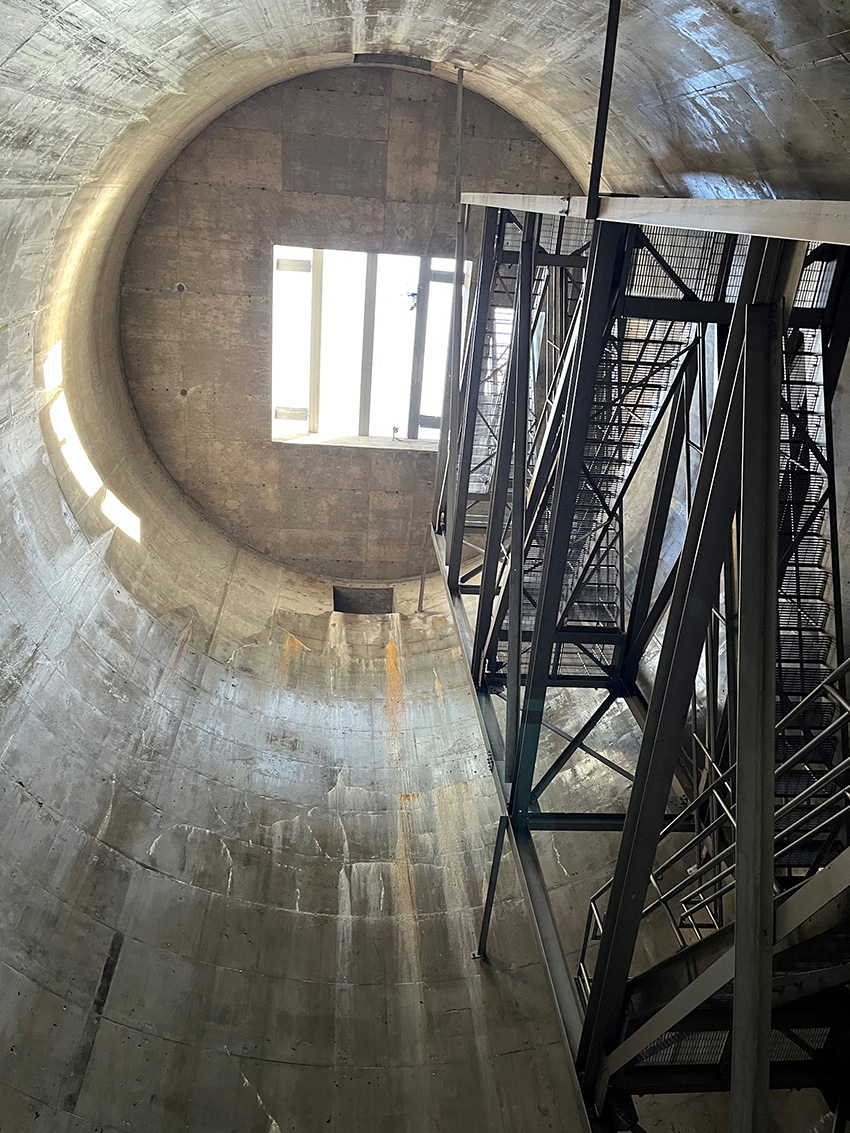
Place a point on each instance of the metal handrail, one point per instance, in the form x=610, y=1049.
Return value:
x=782, y=847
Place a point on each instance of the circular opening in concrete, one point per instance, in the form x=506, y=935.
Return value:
x=356, y=159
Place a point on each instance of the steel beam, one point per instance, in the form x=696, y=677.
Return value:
x=825, y=221
x=547, y=259
x=675, y=310
x=759, y=536
x=588, y=823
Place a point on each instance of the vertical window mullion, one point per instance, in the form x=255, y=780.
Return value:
x=315, y=341
x=368, y=343
x=422, y=295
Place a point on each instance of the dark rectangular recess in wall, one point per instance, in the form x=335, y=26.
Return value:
x=393, y=60
x=363, y=599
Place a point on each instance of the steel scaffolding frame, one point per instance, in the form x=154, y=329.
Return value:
x=703, y=363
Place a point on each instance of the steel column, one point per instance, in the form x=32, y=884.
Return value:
x=473, y=383
x=607, y=258
x=767, y=271
x=495, y=522
x=520, y=358
x=759, y=535
x=545, y=930
x=456, y=348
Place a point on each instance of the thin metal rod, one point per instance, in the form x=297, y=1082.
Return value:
x=610, y=52
x=574, y=745
x=457, y=322
x=501, y=830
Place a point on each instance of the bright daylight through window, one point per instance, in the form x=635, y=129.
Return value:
x=359, y=344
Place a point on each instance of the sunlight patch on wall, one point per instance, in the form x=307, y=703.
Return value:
x=121, y=516
x=52, y=368
x=76, y=458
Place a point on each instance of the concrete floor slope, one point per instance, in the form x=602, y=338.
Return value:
x=163, y=735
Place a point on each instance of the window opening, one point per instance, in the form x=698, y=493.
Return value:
x=437, y=346
x=360, y=343
x=392, y=358
x=292, y=303
x=363, y=599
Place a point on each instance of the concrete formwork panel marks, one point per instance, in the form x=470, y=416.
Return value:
x=306, y=933
x=167, y=729
x=360, y=159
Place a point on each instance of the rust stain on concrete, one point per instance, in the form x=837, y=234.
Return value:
x=289, y=662
x=393, y=703
x=180, y=649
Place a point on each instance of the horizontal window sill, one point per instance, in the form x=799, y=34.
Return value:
x=402, y=444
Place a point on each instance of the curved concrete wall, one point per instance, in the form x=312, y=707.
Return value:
x=160, y=957
x=240, y=892
x=245, y=838
x=356, y=158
